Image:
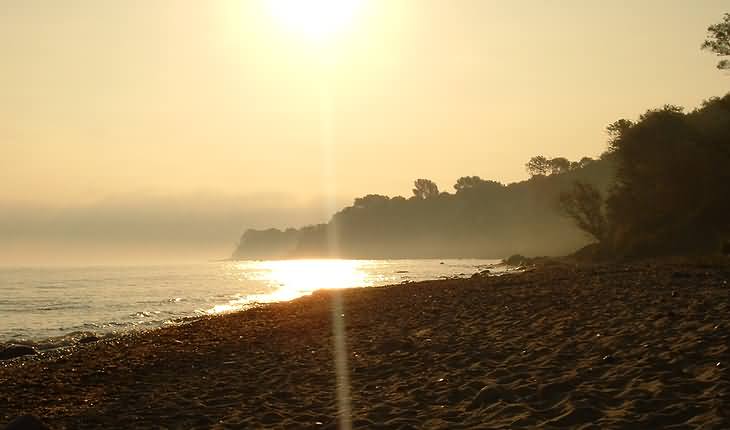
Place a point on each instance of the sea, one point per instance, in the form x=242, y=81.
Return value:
x=56, y=306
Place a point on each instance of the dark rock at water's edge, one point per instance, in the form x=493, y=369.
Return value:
x=14, y=351
x=515, y=260
x=88, y=339
x=26, y=422
x=482, y=273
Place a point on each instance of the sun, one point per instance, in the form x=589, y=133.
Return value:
x=317, y=21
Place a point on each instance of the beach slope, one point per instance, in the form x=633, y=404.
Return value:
x=643, y=345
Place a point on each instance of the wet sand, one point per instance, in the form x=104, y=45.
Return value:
x=636, y=346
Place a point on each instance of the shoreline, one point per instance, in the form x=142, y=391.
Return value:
x=610, y=345
x=261, y=282
x=73, y=338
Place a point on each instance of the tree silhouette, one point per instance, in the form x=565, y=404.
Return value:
x=615, y=130
x=538, y=165
x=467, y=182
x=425, y=189
x=483, y=218
x=670, y=192
x=718, y=41
x=585, y=161
x=559, y=165
x=371, y=200
x=584, y=205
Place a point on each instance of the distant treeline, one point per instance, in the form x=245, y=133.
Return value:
x=671, y=194
x=481, y=218
x=661, y=188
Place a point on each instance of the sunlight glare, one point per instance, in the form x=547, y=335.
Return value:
x=300, y=277
x=296, y=278
x=316, y=20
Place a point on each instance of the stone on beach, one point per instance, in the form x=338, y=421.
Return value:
x=14, y=351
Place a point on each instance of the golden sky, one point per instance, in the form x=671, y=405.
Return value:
x=172, y=97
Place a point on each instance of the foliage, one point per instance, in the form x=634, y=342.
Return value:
x=538, y=166
x=543, y=166
x=672, y=189
x=615, y=130
x=718, y=41
x=482, y=218
x=666, y=179
x=371, y=200
x=584, y=205
x=467, y=183
x=425, y=189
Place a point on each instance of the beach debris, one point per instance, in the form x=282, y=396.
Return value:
x=14, y=351
x=88, y=339
x=609, y=358
x=26, y=422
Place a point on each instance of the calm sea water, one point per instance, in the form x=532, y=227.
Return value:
x=54, y=306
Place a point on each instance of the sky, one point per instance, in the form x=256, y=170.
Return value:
x=181, y=114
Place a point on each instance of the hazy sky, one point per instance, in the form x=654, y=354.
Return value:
x=176, y=98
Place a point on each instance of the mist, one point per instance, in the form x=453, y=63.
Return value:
x=150, y=229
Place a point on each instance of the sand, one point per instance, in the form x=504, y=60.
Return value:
x=637, y=346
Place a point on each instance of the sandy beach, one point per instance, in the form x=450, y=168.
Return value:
x=638, y=346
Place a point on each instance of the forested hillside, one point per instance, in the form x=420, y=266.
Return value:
x=480, y=218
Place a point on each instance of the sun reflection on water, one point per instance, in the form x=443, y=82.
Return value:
x=290, y=279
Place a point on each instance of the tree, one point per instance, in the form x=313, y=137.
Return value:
x=585, y=161
x=672, y=181
x=476, y=183
x=467, y=182
x=615, y=131
x=718, y=41
x=425, y=189
x=371, y=200
x=538, y=165
x=584, y=205
x=559, y=165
